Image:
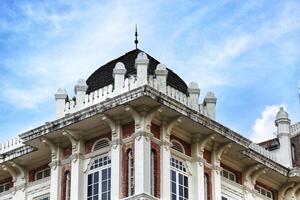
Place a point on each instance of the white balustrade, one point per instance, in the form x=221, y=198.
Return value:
x=295, y=128
x=11, y=144
x=263, y=151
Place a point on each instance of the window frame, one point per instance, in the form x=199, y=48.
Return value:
x=67, y=186
x=130, y=173
x=4, y=186
x=184, y=173
x=229, y=173
x=43, y=173
x=99, y=169
x=43, y=197
x=260, y=188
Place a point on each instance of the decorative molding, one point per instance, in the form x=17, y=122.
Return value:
x=52, y=147
x=54, y=164
x=73, y=140
x=166, y=101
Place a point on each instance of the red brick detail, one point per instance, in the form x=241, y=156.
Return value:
x=89, y=144
x=7, y=180
x=155, y=130
x=124, y=175
x=207, y=172
x=207, y=156
x=31, y=173
x=275, y=192
x=187, y=146
x=64, y=170
x=237, y=173
x=156, y=149
x=67, y=152
x=127, y=129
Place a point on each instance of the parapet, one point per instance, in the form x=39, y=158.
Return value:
x=124, y=83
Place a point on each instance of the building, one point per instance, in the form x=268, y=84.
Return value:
x=135, y=130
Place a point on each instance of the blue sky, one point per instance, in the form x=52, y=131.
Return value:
x=247, y=52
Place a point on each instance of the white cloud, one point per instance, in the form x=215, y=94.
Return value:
x=264, y=126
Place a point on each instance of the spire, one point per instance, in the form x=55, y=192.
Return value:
x=136, y=34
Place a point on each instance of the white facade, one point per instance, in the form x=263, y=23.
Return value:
x=140, y=138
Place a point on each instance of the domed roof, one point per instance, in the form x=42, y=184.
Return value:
x=282, y=114
x=104, y=75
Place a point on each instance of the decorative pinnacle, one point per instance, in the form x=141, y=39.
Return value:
x=136, y=35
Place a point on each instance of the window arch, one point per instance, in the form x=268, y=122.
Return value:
x=178, y=146
x=153, y=172
x=99, y=179
x=293, y=152
x=67, y=186
x=206, y=186
x=130, y=172
x=100, y=144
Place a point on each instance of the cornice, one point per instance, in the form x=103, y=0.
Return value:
x=147, y=91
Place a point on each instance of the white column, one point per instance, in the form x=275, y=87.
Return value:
x=18, y=181
x=141, y=64
x=119, y=75
x=283, y=131
x=20, y=193
x=161, y=73
x=210, y=104
x=198, y=171
x=77, y=172
x=20, y=184
x=194, y=93
x=216, y=182
x=116, y=163
x=80, y=91
x=165, y=171
x=142, y=155
x=249, y=195
x=60, y=98
x=55, y=176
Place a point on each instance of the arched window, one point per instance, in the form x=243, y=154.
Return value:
x=293, y=152
x=99, y=179
x=177, y=146
x=179, y=180
x=206, y=186
x=100, y=144
x=153, y=169
x=130, y=173
x=67, y=186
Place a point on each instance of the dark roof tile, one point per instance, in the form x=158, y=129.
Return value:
x=103, y=76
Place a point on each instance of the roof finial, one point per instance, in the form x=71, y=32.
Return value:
x=136, y=40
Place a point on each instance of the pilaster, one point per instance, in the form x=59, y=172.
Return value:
x=55, y=169
x=116, y=148
x=165, y=153
x=76, y=165
x=216, y=171
x=142, y=148
x=198, y=171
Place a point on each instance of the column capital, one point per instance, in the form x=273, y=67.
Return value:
x=138, y=134
x=54, y=164
x=53, y=147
